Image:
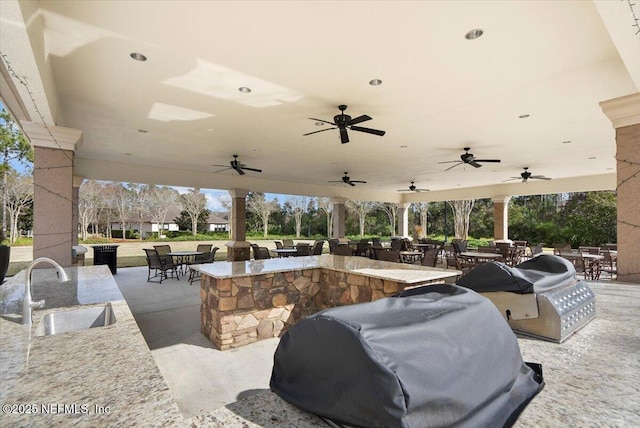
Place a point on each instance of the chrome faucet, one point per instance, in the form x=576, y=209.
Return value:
x=29, y=305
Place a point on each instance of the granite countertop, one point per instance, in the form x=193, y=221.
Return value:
x=399, y=272
x=97, y=377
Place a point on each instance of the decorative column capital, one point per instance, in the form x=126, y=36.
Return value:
x=77, y=181
x=53, y=137
x=500, y=199
x=622, y=111
x=238, y=193
x=338, y=200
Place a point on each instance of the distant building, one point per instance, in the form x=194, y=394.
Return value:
x=217, y=222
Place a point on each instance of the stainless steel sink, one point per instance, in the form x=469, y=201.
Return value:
x=75, y=320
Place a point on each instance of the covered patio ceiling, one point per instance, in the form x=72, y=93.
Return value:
x=168, y=119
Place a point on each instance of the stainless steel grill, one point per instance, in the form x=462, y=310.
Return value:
x=551, y=315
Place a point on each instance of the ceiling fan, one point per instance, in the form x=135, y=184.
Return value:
x=526, y=175
x=239, y=167
x=470, y=159
x=348, y=180
x=413, y=188
x=343, y=122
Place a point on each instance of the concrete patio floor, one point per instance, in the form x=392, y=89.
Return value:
x=200, y=377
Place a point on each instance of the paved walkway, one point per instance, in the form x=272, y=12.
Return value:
x=200, y=377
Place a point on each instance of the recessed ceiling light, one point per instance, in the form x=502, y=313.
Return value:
x=255, y=150
x=609, y=169
x=335, y=163
x=138, y=56
x=127, y=154
x=375, y=82
x=142, y=131
x=566, y=142
x=244, y=89
x=591, y=157
x=474, y=34
x=523, y=116
x=403, y=147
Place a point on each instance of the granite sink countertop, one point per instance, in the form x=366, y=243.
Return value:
x=97, y=377
x=399, y=272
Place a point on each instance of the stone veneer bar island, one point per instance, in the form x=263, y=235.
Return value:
x=246, y=301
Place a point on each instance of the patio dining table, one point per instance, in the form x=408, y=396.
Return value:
x=183, y=258
x=478, y=257
x=285, y=252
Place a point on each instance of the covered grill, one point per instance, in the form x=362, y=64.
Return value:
x=434, y=356
x=541, y=297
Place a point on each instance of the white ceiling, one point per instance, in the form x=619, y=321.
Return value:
x=552, y=60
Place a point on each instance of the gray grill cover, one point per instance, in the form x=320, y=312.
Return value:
x=441, y=356
x=536, y=275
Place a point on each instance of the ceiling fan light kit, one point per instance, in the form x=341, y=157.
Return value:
x=344, y=122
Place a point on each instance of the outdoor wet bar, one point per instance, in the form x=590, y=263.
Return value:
x=246, y=301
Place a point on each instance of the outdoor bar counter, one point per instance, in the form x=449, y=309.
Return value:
x=246, y=301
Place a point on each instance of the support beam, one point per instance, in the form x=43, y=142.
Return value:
x=624, y=113
x=501, y=217
x=238, y=248
x=403, y=218
x=339, y=214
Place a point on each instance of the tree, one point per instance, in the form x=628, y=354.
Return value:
x=19, y=193
x=121, y=201
x=225, y=202
x=590, y=218
x=161, y=199
x=423, y=209
x=140, y=204
x=194, y=203
x=298, y=208
x=13, y=146
x=326, y=205
x=361, y=209
x=258, y=204
x=184, y=221
x=88, y=203
x=461, y=212
x=392, y=213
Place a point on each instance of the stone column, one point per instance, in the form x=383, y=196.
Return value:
x=624, y=113
x=403, y=218
x=339, y=214
x=77, y=182
x=501, y=217
x=53, y=223
x=238, y=248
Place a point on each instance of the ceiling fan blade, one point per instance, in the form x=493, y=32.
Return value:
x=487, y=160
x=512, y=178
x=251, y=169
x=239, y=170
x=351, y=183
x=540, y=177
x=368, y=130
x=227, y=167
x=474, y=164
x=459, y=163
x=359, y=119
x=422, y=190
x=335, y=181
x=315, y=132
x=451, y=161
x=344, y=137
x=320, y=120
x=220, y=170
x=357, y=181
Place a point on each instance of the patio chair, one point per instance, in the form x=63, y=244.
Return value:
x=260, y=253
x=608, y=264
x=535, y=250
x=162, y=252
x=398, y=245
x=207, y=257
x=159, y=267
x=279, y=245
x=343, y=250
x=288, y=243
x=333, y=243
x=487, y=249
x=362, y=248
x=431, y=257
x=459, y=246
x=389, y=256
x=302, y=250
x=317, y=248
x=376, y=242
